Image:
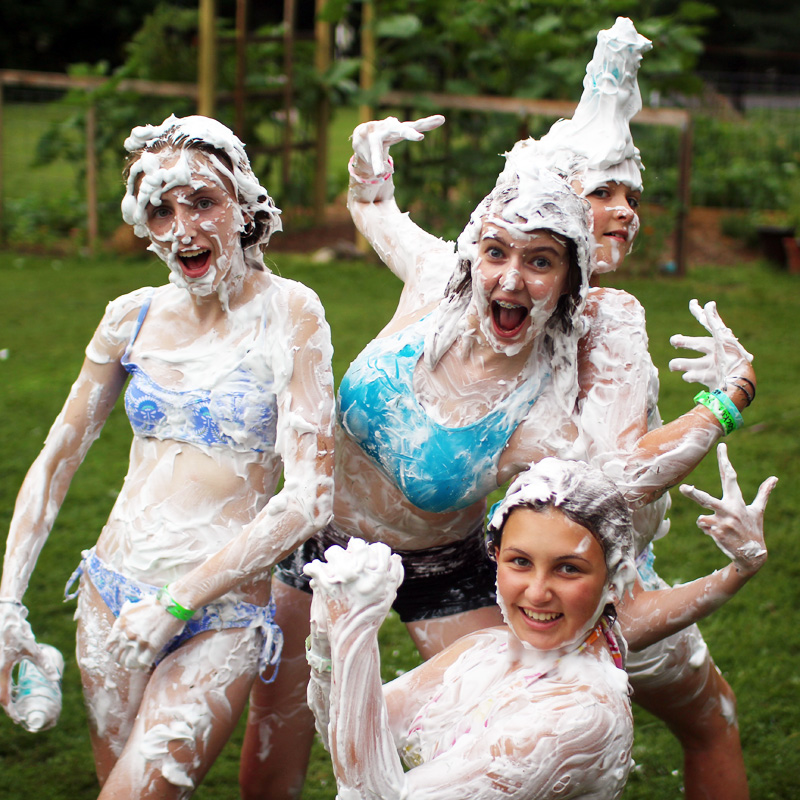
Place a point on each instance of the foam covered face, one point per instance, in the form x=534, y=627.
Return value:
x=615, y=222
x=551, y=578
x=195, y=226
x=518, y=279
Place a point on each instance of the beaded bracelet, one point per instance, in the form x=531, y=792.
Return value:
x=751, y=395
x=317, y=662
x=722, y=409
x=173, y=606
x=369, y=181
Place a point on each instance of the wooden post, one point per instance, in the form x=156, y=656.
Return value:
x=207, y=58
x=322, y=61
x=92, y=225
x=684, y=198
x=241, y=69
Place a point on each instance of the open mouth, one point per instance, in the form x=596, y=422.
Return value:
x=508, y=318
x=195, y=263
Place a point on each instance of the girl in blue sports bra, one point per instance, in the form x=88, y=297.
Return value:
x=230, y=387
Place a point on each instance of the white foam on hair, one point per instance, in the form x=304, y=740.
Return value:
x=148, y=178
x=574, y=486
x=596, y=145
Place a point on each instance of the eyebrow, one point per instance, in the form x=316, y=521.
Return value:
x=565, y=557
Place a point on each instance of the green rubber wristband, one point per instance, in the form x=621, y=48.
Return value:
x=173, y=606
x=718, y=409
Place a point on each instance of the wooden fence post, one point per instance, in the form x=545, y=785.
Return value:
x=207, y=58
x=684, y=197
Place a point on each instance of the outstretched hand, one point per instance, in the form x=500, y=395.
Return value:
x=141, y=632
x=372, y=140
x=737, y=528
x=723, y=357
x=358, y=582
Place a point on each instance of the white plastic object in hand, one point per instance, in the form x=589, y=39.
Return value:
x=36, y=699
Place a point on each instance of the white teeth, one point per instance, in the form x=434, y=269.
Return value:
x=540, y=616
x=506, y=304
x=190, y=253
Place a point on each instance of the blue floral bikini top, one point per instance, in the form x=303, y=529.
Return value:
x=238, y=412
x=437, y=468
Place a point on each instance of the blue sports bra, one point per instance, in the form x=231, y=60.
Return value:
x=435, y=467
x=239, y=412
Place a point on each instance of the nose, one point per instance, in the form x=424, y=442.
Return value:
x=511, y=280
x=185, y=221
x=538, y=591
x=624, y=212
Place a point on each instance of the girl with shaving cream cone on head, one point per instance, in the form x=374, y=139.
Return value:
x=228, y=386
x=676, y=679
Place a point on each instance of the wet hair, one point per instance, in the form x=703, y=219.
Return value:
x=226, y=152
x=584, y=495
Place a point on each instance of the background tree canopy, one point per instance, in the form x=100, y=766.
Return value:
x=51, y=34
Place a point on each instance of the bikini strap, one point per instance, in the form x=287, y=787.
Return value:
x=139, y=322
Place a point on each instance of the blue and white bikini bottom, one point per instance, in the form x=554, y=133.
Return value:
x=116, y=590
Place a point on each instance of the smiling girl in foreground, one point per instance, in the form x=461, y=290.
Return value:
x=538, y=708
x=230, y=385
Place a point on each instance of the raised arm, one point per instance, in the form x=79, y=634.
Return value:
x=620, y=391
x=738, y=530
x=88, y=405
x=302, y=507
x=420, y=260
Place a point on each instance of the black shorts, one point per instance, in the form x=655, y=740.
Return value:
x=438, y=581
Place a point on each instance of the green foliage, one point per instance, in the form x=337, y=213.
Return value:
x=758, y=167
x=522, y=48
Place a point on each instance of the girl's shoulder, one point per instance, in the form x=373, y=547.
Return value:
x=293, y=297
x=118, y=324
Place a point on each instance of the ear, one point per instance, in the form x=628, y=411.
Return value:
x=611, y=594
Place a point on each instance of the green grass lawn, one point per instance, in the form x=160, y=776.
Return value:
x=49, y=309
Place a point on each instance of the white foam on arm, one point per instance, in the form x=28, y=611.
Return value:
x=422, y=261
x=77, y=426
x=619, y=390
x=304, y=381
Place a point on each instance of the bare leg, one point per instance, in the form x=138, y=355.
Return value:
x=280, y=726
x=190, y=707
x=677, y=681
x=111, y=692
x=431, y=636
